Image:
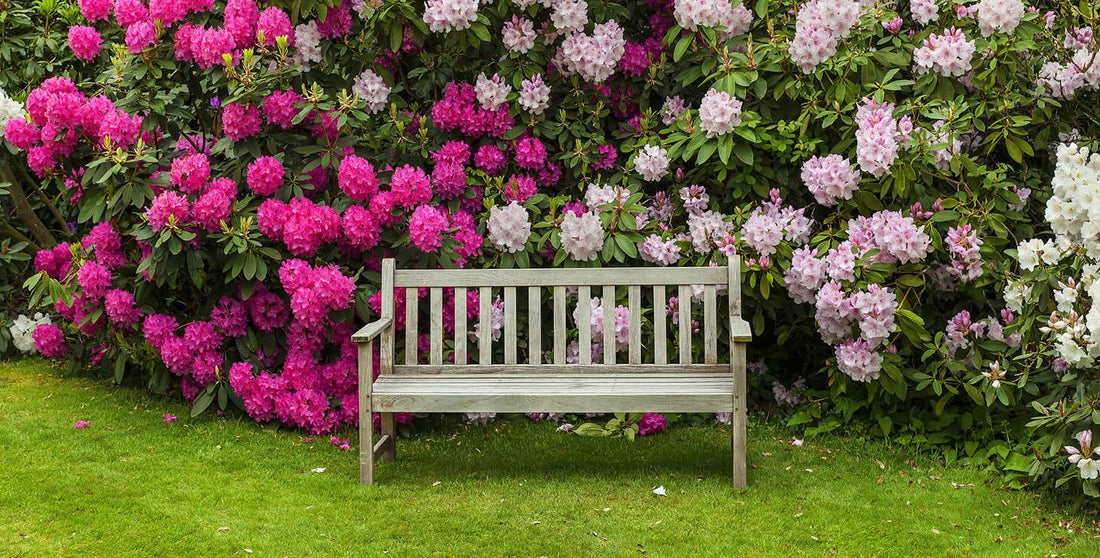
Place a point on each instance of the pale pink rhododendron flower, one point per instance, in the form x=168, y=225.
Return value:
x=999, y=16
x=1082, y=456
x=509, y=227
x=948, y=54
x=582, y=236
x=820, y=25
x=449, y=15
x=652, y=162
x=719, y=113
x=830, y=179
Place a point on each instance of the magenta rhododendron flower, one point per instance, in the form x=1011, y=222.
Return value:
x=49, y=340
x=81, y=424
x=85, y=42
x=169, y=417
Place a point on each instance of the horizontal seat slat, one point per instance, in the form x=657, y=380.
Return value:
x=679, y=370
x=565, y=393
x=613, y=276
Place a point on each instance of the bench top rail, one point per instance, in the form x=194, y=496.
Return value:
x=573, y=277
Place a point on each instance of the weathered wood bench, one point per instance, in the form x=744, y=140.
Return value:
x=501, y=382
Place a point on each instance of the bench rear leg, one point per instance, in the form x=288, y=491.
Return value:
x=739, y=418
x=389, y=428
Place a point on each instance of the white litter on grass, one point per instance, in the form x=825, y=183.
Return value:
x=796, y=442
x=660, y=491
x=319, y=470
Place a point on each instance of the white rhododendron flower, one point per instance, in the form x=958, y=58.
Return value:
x=10, y=109
x=652, y=162
x=22, y=331
x=509, y=227
x=582, y=236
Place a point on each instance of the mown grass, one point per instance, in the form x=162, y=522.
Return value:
x=130, y=484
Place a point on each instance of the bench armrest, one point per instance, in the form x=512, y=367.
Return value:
x=740, y=330
x=371, y=330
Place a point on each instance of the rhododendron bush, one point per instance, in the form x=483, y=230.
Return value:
x=222, y=179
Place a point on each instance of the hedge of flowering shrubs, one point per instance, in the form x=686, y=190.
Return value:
x=917, y=259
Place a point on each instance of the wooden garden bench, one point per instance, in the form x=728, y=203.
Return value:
x=499, y=380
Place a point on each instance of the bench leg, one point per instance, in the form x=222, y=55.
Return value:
x=739, y=418
x=389, y=428
x=366, y=417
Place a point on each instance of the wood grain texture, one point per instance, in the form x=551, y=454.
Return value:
x=684, y=300
x=559, y=277
x=509, y=325
x=584, y=323
x=436, y=327
x=608, y=324
x=365, y=357
x=460, y=325
x=484, y=329
x=739, y=416
x=499, y=369
x=660, y=319
x=389, y=336
x=634, y=300
x=534, y=325
x=710, y=325
x=412, y=313
x=559, y=325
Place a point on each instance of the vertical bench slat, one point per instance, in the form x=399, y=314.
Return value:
x=460, y=325
x=584, y=323
x=534, y=325
x=635, y=301
x=436, y=316
x=660, y=318
x=509, y=325
x=684, y=299
x=608, y=324
x=386, y=357
x=484, y=327
x=559, y=325
x=412, y=311
x=710, y=325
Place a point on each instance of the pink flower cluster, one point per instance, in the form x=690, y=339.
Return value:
x=459, y=110
x=315, y=291
x=820, y=25
x=594, y=57
x=50, y=341
x=830, y=179
x=302, y=225
x=948, y=54
x=877, y=137
x=772, y=222
x=60, y=117
x=964, y=248
x=719, y=113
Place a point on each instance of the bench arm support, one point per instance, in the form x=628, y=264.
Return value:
x=371, y=330
x=740, y=330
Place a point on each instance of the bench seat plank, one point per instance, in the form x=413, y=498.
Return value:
x=517, y=393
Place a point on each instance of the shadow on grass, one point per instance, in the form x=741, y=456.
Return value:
x=491, y=453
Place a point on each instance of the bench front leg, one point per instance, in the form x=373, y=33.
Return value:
x=366, y=417
x=740, y=335
x=739, y=417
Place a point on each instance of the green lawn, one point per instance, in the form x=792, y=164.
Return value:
x=130, y=484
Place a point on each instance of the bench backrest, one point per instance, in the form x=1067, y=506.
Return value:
x=525, y=290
